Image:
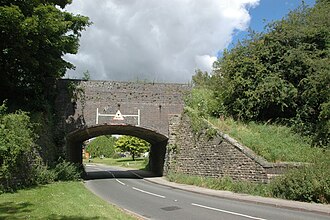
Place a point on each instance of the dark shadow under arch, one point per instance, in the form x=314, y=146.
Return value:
x=75, y=139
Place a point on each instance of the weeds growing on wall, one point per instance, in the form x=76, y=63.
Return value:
x=198, y=124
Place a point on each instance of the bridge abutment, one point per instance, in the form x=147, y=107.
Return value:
x=157, y=157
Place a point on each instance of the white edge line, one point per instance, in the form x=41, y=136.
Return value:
x=153, y=194
x=229, y=212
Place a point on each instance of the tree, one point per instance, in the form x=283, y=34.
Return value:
x=133, y=145
x=282, y=74
x=102, y=145
x=34, y=37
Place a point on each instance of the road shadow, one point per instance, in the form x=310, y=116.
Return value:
x=127, y=174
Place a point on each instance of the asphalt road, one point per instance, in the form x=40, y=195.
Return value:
x=129, y=190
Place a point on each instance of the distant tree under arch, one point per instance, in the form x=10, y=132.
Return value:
x=133, y=145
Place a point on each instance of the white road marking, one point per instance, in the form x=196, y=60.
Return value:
x=120, y=182
x=229, y=212
x=153, y=194
x=117, y=179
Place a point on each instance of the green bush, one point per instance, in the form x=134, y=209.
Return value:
x=204, y=101
x=66, y=171
x=18, y=152
x=20, y=163
x=45, y=175
x=308, y=184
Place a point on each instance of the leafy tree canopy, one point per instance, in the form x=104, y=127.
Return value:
x=282, y=74
x=134, y=145
x=102, y=145
x=35, y=34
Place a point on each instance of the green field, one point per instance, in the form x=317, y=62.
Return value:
x=127, y=162
x=61, y=200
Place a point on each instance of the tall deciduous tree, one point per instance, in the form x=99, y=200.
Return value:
x=133, y=145
x=34, y=36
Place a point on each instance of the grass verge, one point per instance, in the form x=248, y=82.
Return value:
x=225, y=183
x=61, y=200
x=307, y=184
x=127, y=162
x=273, y=142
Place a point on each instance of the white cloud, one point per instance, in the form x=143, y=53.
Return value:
x=164, y=40
x=205, y=62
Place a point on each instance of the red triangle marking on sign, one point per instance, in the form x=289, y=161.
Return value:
x=118, y=116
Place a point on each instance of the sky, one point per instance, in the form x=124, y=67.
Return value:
x=164, y=40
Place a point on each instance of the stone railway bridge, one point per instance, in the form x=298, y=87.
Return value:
x=88, y=109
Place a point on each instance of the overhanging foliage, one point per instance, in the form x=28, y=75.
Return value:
x=281, y=75
x=34, y=37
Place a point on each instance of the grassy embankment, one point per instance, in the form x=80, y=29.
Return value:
x=127, y=162
x=61, y=200
x=276, y=144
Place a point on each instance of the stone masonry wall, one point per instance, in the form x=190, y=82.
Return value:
x=154, y=100
x=214, y=155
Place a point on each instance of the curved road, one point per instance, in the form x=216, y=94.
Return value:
x=130, y=191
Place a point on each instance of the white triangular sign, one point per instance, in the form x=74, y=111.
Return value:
x=118, y=116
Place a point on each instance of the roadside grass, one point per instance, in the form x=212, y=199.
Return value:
x=307, y=184
x=225, y=183
x=127, y=162
x=61, y=200
x=275, y=143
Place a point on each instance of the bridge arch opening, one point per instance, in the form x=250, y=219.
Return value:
x=158, y=142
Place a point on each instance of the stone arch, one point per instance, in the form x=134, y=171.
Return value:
x=75, y=139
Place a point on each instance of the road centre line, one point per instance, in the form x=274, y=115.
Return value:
x=228, y=212
x=117, y=179
x=120, y=182
x=150, y=193
x=137, y=189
